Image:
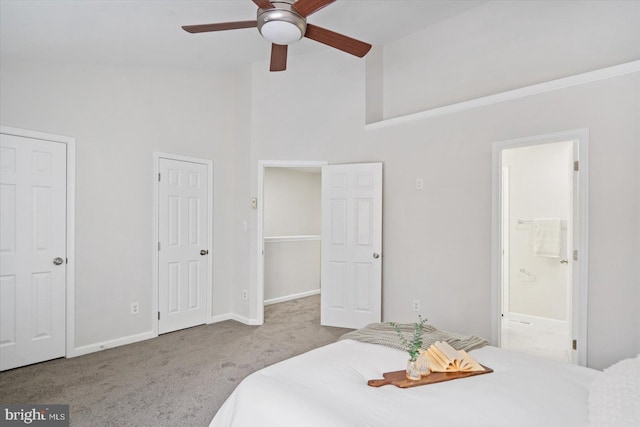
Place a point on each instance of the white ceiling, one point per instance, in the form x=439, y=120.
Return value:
x=148, y=33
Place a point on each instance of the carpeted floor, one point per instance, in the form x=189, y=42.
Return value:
x=177, y=379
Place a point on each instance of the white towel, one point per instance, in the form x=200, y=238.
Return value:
x=546, y=237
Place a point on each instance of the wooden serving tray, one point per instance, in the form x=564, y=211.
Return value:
x=399, y=378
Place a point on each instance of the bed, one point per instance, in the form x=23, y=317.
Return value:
x=328, y=387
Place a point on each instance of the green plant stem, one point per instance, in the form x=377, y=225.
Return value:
x=413, y=347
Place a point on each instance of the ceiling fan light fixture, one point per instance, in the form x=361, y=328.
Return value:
x=283, y=22
x=281, y=32
x=282, y=25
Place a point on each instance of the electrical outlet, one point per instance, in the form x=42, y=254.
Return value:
x=245, y=295
x=135, y=308
x=418, y=183
x=416, y=305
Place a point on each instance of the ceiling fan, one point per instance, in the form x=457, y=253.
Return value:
x=283, y=22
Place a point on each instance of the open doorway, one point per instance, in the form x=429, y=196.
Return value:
x=350, y=242
x=292, y=224
x=537, y=222
x=540, y=245
x=289, y=212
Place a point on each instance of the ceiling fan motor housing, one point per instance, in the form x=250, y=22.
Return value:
x=282, y=24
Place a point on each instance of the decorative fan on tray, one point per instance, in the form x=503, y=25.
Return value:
x=284, y=22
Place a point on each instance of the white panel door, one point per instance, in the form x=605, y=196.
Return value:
x=351, y=277
x=184, y=253
x=32, y=250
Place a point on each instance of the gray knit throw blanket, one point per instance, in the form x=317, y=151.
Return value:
x=385, y=334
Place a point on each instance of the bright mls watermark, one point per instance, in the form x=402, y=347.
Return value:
x=34, y=415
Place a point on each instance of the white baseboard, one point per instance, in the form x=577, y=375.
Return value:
x=92, y=348
x=220, y=318
x=245, y=320
x=291, y=297
x=234, y=316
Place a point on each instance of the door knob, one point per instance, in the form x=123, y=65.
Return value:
x=376, y=255
x=204, y=252
x=58, y=261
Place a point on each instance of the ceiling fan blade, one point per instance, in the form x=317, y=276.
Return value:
x=263, y=4
x=278, y=57
x=307, y=7
x=337, y=40
x=205, y=28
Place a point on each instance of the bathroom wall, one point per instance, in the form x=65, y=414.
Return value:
x=540, y=186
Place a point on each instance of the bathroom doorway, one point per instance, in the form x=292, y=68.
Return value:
x=540, y=279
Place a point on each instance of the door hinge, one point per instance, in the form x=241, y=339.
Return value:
x=158, y=176
x=575, y=255
x=574, y=344
x=158, y=315
x=576, y=166
x=158, y=245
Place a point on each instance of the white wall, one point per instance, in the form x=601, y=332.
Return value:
x=119, y=117
x=503, y=45
x=241, y=215
x=291, y=208
x=437, y=240
x=291, y=269
x=539, y=187
x=321, y=125
x=453, y=215
x=291, y=202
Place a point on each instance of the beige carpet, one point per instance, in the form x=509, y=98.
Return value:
x=177, y=379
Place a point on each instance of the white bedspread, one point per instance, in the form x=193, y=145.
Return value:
x=328, y=387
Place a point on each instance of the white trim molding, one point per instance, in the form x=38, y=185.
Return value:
x=246, y=320
x=291, y=297
x=278, y=239
x=576, y=80
x=70, y=299
x=220, y=318
x=92, y=348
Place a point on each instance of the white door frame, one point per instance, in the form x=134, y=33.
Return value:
x=581, y=224
x=504, y=238
x=156, y=237
x=262, y=165
x=71, y=225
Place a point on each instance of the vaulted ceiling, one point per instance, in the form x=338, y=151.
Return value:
x=148, y=32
